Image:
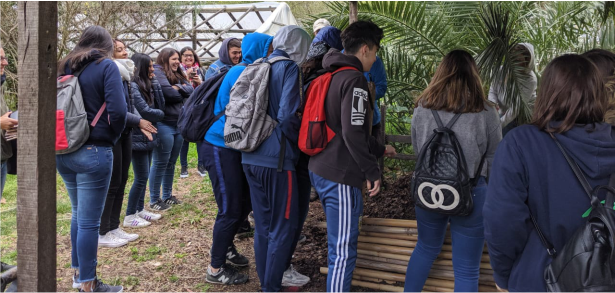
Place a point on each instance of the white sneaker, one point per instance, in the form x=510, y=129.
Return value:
x=110, y=240
x=76, y=284
x=149, y=215
x=292, y=278
x=135, y=221
x=119, y=233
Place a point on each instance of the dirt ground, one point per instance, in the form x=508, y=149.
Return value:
x=173, y=253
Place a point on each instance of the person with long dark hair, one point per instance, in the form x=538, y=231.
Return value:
x=455, y=89
x=111, y=235
x=531, y=176
x=148, y=99
x=86, y=172
x=176, y=89
x=191, y=66
x=605, y=61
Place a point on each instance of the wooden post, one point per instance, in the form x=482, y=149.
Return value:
x=354, y=11
x=36, y=173
x=382, y=134
x=194, y=30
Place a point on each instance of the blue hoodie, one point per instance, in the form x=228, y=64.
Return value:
x=284, y=99
x=224, y=61
x=253, y=47
x=529, y=173
x=331, y=36
x=378, y=75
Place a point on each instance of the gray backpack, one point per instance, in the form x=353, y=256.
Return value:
x=72, y=128
x=247, y=122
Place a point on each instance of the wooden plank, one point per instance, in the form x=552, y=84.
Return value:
x=259, y=16
x=399, y=138
x=36, y=175
x=236, y=9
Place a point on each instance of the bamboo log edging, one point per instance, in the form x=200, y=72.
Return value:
x=361, y=253
x=383, y=259
x=393, y=230
x=389, y=222
x=407, y=250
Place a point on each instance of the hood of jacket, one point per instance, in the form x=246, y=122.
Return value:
x=530, y=48
x=592, y=147
x=223, y=52
x=331, y=36
x=335, y=59
x=255, y=46
x=294, y=41
x=126, y=67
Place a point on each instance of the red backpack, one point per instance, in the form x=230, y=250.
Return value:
x=315, y=134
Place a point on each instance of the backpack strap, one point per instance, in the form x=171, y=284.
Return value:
x=343, y=68
x=550, y=249
x=78, y=72
x=102, y=109
x=575, y=168
x=439, y=121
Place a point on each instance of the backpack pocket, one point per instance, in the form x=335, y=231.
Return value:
x=317, y=135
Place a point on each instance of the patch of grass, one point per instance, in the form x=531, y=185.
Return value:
x=203, y=287
x=173, y=278
x=180, y=255
x=67, y=265
x=131, y=281
x=149, y=253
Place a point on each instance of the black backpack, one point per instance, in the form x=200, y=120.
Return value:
x=197, y=114
x=441, y=182
x=587, y=261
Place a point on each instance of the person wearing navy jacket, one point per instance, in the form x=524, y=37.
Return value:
x=86, y=172
x=274, y=192
x=530, y=173
x=176, y=89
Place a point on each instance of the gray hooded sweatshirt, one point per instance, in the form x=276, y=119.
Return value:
x=527, y=90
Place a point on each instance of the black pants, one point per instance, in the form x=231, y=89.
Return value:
x=122, y=154
x=304, y=188
x=232, y=196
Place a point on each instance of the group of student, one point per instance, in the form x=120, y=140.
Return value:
x=523, y=172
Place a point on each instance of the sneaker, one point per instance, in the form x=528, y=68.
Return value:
x=102, y=287
x=302, y=238
x=172, y=200
x=149, y=216
x=292, y=278
x=227, y=275
x=245, y=231
x=76, y=284
x=235, y=258
x=202, y=171
x=159, y=206
x=313, y=195
x=110, y=240
x=184, y=172
x=135, y=221
x=119, y=233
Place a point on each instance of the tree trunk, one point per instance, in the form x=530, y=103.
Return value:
x=354, y=11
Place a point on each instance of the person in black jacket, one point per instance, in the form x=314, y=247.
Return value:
x=86, y=172
x=148, y=99
x=176, y=89
x=111, y=235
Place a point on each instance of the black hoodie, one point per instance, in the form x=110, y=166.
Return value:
x=351, y=156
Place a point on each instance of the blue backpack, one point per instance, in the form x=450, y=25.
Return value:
x=197, y=114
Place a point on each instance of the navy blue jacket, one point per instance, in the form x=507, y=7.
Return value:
x=174, y=99
x=529, y=173
x=153, y=113
x=100, y=83
x=284, y=100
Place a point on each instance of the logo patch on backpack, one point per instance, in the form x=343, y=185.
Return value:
x=359, y=99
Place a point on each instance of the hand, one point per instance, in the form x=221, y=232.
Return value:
x=389, y=151
x=500, y=289
x=175, y=87
x=197, y=79
x=147, y=134
x=7, y=123
x=373, y=190
x=146, y=125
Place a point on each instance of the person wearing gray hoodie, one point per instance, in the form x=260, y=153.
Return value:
x=527, y=82
x=230, y=55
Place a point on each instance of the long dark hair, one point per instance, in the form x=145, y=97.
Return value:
x=456, y=86
x=571, y=92
x=605, y=61
x=141, y=76
x=95, y=41
x=197, y=61
x=176, y=76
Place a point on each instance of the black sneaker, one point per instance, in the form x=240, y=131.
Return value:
x=184, y=172
x=227, y=275
x=102, y=287
x=159, y=206
x=172, y=200
x=235, y=258
x=202, y=171
x=244, y=232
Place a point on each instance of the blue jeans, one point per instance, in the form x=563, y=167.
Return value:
x=3, y=178
x=183, y=154
x=141, y=162
x=86, y=174
x=468, y=242
x=164, y=160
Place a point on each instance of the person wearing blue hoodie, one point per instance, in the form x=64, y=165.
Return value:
x=378, y=75
x=230, y=55
x=530, y=173
x=274, y=191
x=227, y=176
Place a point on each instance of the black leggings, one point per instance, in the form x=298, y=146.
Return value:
x=122, y=154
